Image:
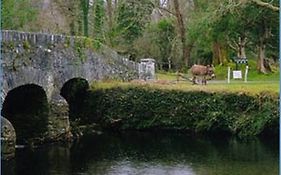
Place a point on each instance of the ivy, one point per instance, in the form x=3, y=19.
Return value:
x=147, y=108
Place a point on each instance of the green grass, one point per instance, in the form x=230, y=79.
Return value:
x=250, y=88
x=257, y=82
x=166, y=76
x=253, y=74
x=221, y=72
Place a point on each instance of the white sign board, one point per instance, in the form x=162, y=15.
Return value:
x=237, y=74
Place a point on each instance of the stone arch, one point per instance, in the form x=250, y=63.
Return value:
x=27, y=108
x=27, y=75
x=74, y=91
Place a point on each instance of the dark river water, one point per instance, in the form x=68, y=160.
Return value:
x=136, y=153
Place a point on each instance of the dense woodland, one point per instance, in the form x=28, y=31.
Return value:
x=176, y=33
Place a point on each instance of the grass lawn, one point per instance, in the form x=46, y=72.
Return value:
x=257, y=83
x=251, y=88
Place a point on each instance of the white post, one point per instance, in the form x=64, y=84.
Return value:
x=246, y=74
x=228, y=74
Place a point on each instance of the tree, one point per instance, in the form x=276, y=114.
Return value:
x=165, y=35
x=132, y=17
x=99, y=14
x=85, y=5
x=206, y=31
x=16, y=14
x=109, y=13
x=180, y=10
x=262, y=33
x=75, y=17
x=259, y=30
x=239, y=25
x=181, y=28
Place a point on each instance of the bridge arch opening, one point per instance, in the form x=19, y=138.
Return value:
x=75, y=93
x=27, y=108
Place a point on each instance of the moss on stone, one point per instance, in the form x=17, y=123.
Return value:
x=26, y=45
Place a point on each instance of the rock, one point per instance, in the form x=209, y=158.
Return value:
x=8, y=139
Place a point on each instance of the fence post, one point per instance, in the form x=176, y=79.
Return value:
x=228, y=74
x=246, y=74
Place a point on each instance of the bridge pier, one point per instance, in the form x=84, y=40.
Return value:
x=59, y=126
x=8, y=139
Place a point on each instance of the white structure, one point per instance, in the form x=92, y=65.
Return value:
x=237, y=74
x=147, y=69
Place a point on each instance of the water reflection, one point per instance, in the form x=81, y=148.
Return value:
x=150, y=154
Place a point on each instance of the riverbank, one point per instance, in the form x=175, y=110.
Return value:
x=150, y=108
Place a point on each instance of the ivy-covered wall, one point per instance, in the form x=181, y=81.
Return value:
x=200, y=112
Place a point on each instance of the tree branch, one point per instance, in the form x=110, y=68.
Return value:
x=267, y=5
x=165, y=9
x=232, y=46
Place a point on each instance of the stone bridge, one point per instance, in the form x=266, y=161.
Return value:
x=43, y=63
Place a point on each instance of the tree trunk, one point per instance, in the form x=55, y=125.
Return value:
x=219, y=54
x=261, y=57
x=216, y=53
x=72, y=28
x=187, y=53
x=262, y=65
x=181, y=28
x=241, y=47
x=85, y=9
x=109, y=12
x=161, y=66
x=75, y=16
x=169, y=64
x=80, y=26
x=115, y=3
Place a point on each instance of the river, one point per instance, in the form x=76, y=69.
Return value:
x=149, y=153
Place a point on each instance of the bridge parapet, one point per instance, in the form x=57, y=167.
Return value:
x=79, y=47
x=36, y=38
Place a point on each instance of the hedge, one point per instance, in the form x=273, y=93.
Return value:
x=140, y=108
